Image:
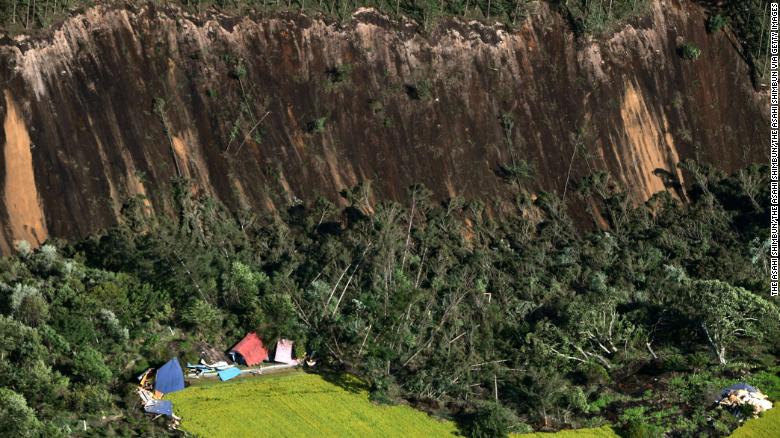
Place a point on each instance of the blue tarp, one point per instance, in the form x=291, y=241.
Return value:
x=229, y=373
x=164, y=407
x=737, y=386
x=170, y=377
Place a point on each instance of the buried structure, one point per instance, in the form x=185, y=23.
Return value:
x=249, y=350
x=740, y=395
x=168, y=378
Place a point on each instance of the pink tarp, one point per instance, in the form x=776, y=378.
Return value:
x=284, y=352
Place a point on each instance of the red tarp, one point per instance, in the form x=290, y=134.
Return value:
x=251, y=349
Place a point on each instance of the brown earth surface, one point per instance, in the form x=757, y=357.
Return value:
x=243, y=97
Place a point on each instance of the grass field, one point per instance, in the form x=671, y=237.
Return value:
x=768, y=425
x=601, y=432
x=296, y=404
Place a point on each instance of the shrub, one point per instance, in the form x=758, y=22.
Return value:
x=716, y=23
x=337, y=77
x=383, y=390
x=202, y=316
x=90, y=398
x=23, y=248
x=490, y=421
x=634, y=423
x=689, y=51
x=422, y=90
x=16, y=418
x=518, y=170
x=89, y=366
x=239, y=70
x=340, y=74
x=29, y=306
x=317, y=126
x=113, y=326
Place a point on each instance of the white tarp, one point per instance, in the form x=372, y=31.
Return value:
x=221, y=365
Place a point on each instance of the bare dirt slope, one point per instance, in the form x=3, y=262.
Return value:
x=259, y=111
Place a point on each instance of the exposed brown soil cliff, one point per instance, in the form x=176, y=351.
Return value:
x=259, y=111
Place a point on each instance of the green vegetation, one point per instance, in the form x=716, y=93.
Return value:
x=689, y=51
x=438, y=304
x=297, y=404
x=591, y=16
x=601, y=432
x=338, y=76
x=749, y=20
x=765, y=426
x=317, y=126
x=601, y=17
x=716, y=23
x=422, y=90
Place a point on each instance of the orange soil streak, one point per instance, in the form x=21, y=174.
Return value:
x=25, y=213
x=181, y=156
x=648, y=147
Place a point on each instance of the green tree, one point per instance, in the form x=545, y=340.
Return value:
x=16, y=418
x=728, y=314
x=492, y=420
x=29, y=306
x=89, y=366
x=240, y=284
x=202, y=316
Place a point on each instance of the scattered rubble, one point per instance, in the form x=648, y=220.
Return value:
x=739, y=395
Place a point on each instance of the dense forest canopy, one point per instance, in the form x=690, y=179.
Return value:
x=527, y=320
x=521, y=321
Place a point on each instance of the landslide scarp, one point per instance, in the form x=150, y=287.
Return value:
x=259, y=111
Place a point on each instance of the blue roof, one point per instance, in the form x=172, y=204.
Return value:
x=742, y=385
x=170, y=377
x=229, y=373
x=164, y=407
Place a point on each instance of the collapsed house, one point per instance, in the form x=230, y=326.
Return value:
x=249, y=350
x=168, y=378
x=741, y=394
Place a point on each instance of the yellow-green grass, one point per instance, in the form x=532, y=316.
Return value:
x=767, y=425
x=599, y=432
x=297, y=404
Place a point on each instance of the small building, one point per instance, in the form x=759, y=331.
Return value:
x=249, y=350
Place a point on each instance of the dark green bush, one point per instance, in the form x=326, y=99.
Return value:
x=716, y=23
x=689, y=51
x=16, y=418
x=317, y=126
x=492, y=420
x=89, y=366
